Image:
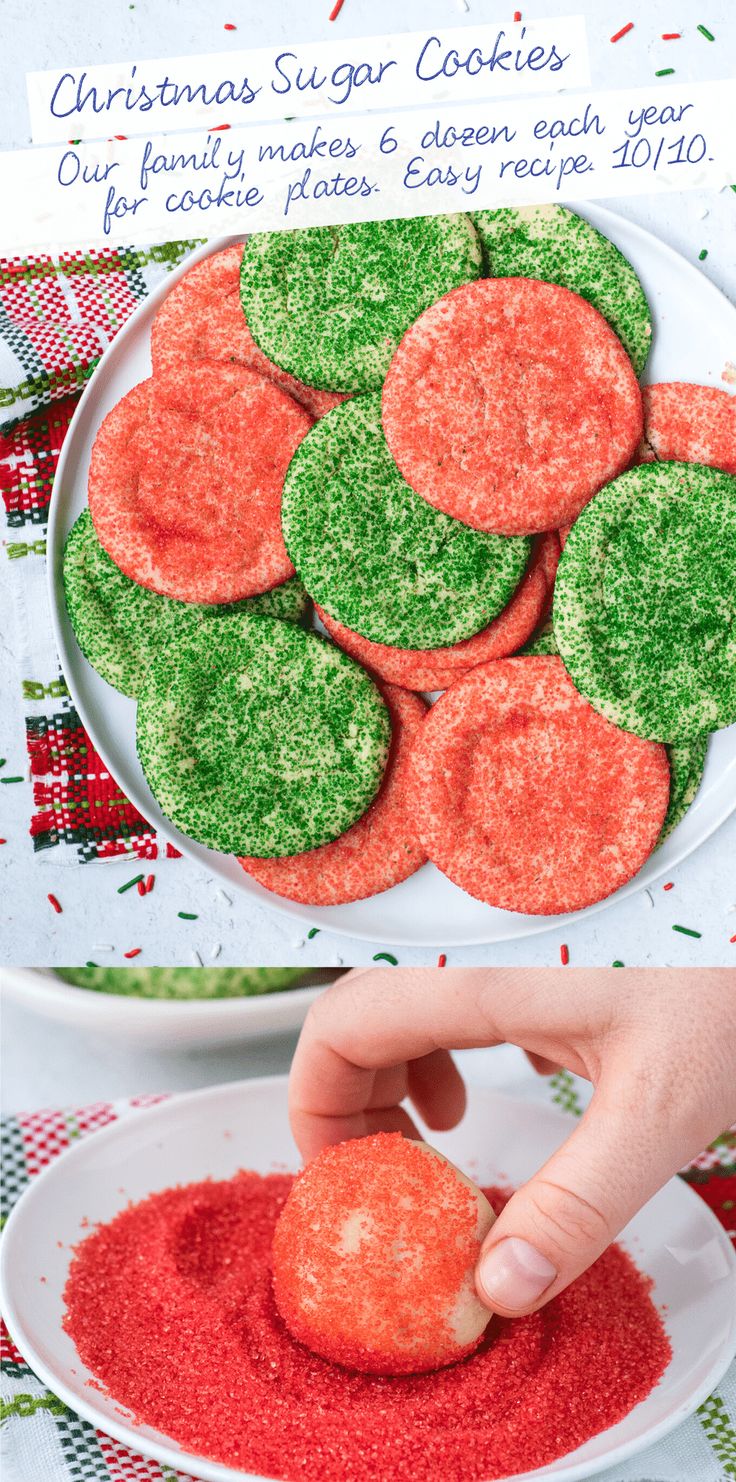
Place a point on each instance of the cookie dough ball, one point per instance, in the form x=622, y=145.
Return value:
x=374, y=1255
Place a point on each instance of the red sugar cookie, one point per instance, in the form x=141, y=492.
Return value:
x=689, y=424
x=509, y=403
x=436, y=668
x=201, y=318
x=374, y=1254
x=185, y=482
x=529, y=799
x=379, y=851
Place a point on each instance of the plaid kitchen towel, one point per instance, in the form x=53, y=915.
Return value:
x=56, y=318
x=43, y=1441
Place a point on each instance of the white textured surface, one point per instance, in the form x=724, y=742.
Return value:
x=633, y=931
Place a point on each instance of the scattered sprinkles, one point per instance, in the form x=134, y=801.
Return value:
x=141, y=887
x=337, y=7
x=517, y=15
x=702, y=254
x=664, y=72
x=187, y=916
x=671, y=35
x=150, y=882
x=442, y=960
x=618, y=963
x=564, y=954
x=386, y=957
x=669, y=886
x=706, y=33
x=11, y=779
x=228, y=26
x=134, y=952
x=624, y=31
x=129, y=884
x=732, y=939
x=53, y=902
x=687, y=931
x=312, y=933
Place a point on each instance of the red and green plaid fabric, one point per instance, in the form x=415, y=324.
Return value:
x=56, y=318
x=37, y=1425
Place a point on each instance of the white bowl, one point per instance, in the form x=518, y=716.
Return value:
x=675, y=1239
x=161, y=1023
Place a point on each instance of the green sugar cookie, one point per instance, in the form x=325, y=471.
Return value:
x=645, y=601
x=329, y=304
x=182, y=982
x=257, y=737
x=376, y=556
x=121, y=626
x=552, y=243
x=687, y=760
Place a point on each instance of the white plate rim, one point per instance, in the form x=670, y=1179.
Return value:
x=219, y=1472
x=216, y=862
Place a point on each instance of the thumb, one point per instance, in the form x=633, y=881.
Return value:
x=563, y=1219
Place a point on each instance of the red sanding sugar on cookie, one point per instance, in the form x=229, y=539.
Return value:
x=509, y=403
x=201, y=318
x=436, y=668
x=374, y=1257
x=529, y=799
x=689, y=424
x=185, y=482
x=379, y=851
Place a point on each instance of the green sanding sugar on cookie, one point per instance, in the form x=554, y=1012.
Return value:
x=121, y=626
x=376, y=556
x=329, y=304
x=687, y=760
x=645, y=601
x=552, y=243
x=257, y=737
x=182, y=982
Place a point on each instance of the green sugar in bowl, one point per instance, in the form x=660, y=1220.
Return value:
x=183, y=983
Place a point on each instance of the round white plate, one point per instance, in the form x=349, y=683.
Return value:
x=165, y=1024
x=694, y=335
x=675, y=1239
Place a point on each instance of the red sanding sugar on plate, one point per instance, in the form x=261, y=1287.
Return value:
x=171, y=1308
x=436, y=668
x=689, y=424
x=375, y=1253
x=185, y=482
x=379, y=851
x=529, y=799
x=509, y=403
x=201, y=318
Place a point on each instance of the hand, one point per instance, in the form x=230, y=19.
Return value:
x=656, y=1045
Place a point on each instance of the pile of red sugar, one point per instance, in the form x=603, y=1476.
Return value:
x=170, y=1306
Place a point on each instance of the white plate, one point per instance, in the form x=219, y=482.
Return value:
x=675, y=1239
x=694, y=335
x=166, y=1024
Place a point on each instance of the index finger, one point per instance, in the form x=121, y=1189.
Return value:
x=374, y=1019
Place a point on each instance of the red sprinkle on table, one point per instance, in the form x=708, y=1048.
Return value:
x=624, y=30
x=732, y=939
x=442, y=960
x=134, y=952
x=564, y=955
x=53, y=902
x=150, y=881
x=517, y=15
x=141, y=887
x=337, y=7
x=671, y=35
x=229, y=26
x=669, y=886
x=210, y=1363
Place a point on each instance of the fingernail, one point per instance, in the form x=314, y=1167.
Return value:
x=513, y=1274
